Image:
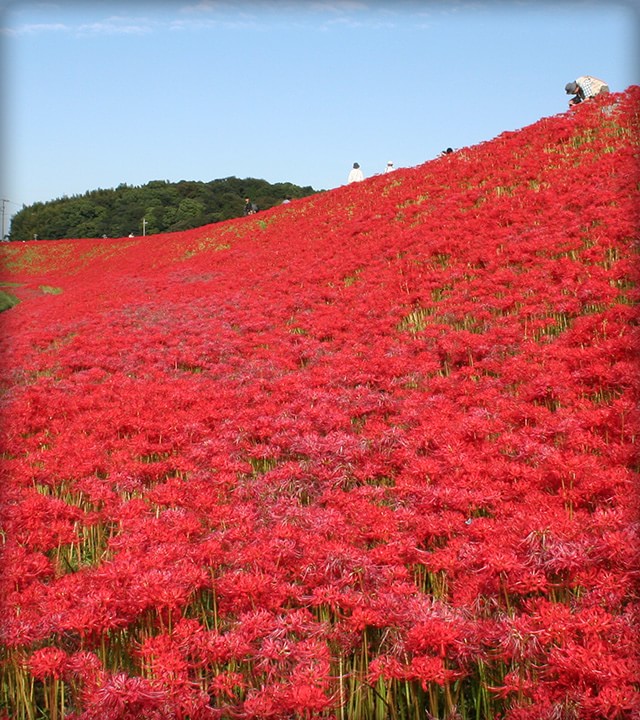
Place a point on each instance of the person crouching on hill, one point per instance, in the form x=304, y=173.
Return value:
x=585, y=87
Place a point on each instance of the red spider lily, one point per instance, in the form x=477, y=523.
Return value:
x=85, y=666
x=120, y=697
x=265, y=702
x=613, y=702
x=48, y=662
x=434, y=635
x=370, y=455
x=306, y=700
x=228, y=684
x=429, y=669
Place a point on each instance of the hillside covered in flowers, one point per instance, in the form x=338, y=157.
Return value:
x=371, y=455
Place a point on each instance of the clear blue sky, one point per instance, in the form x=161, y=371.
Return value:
x=101, y=92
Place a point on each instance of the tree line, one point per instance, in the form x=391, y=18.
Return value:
x=157, y=207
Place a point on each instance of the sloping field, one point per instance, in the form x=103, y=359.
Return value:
x=371, y=455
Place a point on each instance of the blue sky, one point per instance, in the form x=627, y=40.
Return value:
x=102, y=92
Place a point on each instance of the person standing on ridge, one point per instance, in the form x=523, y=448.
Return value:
x=249, y=207
x=356, y=174
x=389, y=167
x=585, y=87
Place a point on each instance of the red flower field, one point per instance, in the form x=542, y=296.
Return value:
x=369, y=455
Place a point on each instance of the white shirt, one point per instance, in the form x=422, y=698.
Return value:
x=355, y=175
x=591, y=86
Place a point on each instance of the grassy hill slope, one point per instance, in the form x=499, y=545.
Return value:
x=372, y=454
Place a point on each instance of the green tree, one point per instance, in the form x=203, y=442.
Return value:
x=163, y=205
x=190, y=214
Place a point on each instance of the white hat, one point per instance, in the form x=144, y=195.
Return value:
x=390, y=162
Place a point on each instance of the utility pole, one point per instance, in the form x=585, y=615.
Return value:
x=4, y=202
x=144, y=226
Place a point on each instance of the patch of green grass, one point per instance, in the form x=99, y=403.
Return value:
x=50, y=290
x=7, y=301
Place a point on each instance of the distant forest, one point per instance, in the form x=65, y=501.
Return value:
x=157, y=207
